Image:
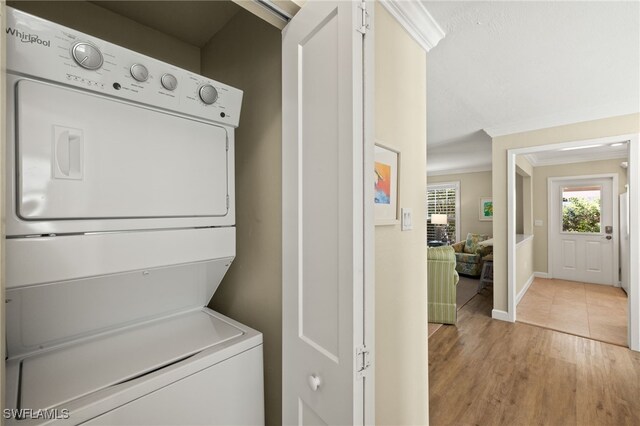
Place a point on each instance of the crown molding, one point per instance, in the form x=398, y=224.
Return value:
x=576, y=158
x=416, y=20
x=485, y=168
x=531, y=159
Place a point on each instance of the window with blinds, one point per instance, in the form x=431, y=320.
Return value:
x=443, y=199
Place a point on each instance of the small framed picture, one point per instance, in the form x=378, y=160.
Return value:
x=486, y=208
x=386, y=163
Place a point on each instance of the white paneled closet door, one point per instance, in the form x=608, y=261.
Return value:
x=327, y=216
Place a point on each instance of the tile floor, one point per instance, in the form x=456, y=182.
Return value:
x=589, y=310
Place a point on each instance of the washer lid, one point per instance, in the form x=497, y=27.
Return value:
x=60, y=376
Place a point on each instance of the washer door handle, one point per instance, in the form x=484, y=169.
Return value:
x=67, y=153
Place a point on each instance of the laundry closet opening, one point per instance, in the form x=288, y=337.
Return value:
x=224, y=42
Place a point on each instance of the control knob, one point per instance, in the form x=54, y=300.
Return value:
x=87, y=55
x=208, y=94
x=139, y=72
x=169, y=81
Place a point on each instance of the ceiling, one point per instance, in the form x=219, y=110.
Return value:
x=194, y=22
x=507, y=67
x=583, y=153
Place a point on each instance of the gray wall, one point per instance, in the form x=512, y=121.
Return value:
x=99, y=22
x=246, y=53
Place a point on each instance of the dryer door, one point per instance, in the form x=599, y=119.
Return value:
x=82, y=156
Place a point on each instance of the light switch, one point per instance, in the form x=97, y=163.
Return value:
x=407, y=219
x=538, y=222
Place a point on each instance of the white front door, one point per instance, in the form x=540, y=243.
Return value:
x=326, y=217
x=583, y=236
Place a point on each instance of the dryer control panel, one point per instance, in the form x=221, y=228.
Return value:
x=48, y=51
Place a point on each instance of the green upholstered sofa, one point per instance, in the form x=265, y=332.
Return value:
x=469, y=254
x=442, y=279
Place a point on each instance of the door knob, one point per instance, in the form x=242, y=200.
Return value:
x=608, y=237
x=314, y=382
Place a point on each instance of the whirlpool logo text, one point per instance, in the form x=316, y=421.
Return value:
x=28, y=38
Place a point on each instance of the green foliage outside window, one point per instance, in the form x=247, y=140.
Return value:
x=580, y=215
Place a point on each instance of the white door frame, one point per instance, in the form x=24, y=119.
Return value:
x=633, y=177
x=615, y=219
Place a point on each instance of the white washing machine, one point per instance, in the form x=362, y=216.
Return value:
x=120, y=226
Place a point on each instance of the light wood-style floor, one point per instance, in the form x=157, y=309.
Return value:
x=466, y=289
x=589, y=310
x=489, y=372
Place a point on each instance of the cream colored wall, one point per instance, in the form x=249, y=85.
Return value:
x=99, y=22
x=524, y=165
x=252, y=290
x=401, y=369
x=527, y=204
x=473, y=186
x=524, y=169
x=519, y=204
x=612, y=126
x=524, y=263
x=540, y=209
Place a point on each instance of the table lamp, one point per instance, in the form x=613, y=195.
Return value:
x=442, y=221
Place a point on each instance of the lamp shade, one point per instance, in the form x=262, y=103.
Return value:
x=439, y=219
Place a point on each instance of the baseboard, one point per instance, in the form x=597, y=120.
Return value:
x=520, y=295
x=500, y=315
x=541, y=275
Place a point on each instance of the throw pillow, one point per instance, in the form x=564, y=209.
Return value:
x=471, y=245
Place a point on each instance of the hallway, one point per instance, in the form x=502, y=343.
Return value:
x=489, y=372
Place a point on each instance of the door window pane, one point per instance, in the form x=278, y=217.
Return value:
x=581, y=206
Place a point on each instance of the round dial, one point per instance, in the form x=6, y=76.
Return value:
x=208, y=94
x=87, y=55
x=139, y=72
x=169, y=81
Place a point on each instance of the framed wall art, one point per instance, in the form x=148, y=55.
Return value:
x=386, y=163
x=486, y=208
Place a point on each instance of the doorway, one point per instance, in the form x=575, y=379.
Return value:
x=515, y=267
x=583, y=296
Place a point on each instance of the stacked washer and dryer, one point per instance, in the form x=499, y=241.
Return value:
x=120, y=224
